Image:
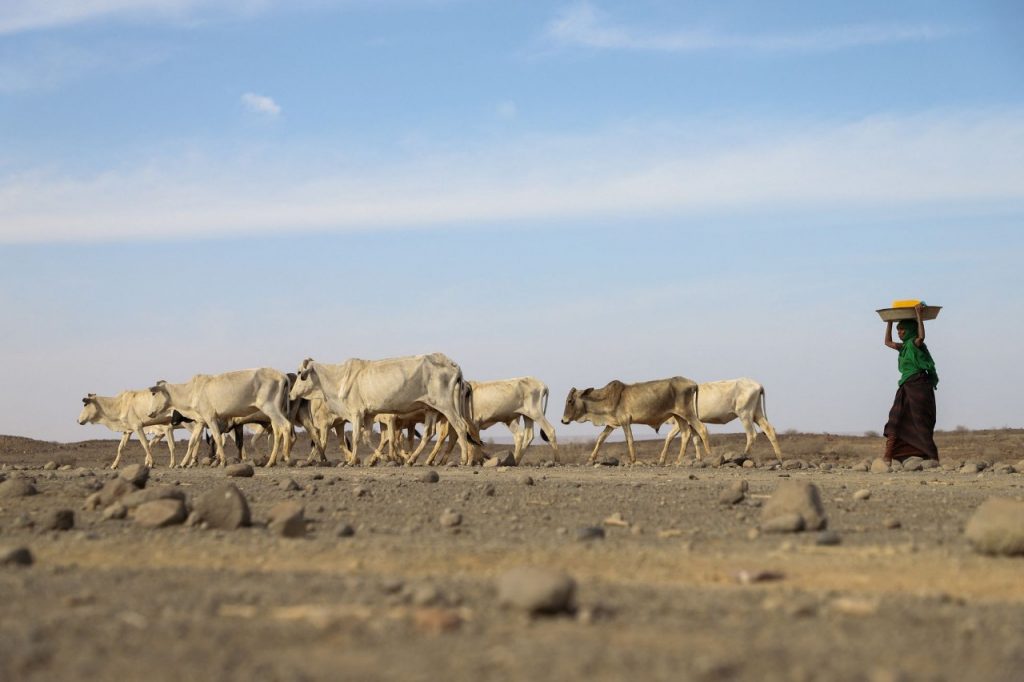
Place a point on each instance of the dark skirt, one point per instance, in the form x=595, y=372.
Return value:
x=911, y=426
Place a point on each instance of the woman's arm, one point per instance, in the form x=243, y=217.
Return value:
x=888, y=337
x=919, y=341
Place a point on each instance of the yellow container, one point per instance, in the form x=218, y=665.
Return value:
x=905, y=303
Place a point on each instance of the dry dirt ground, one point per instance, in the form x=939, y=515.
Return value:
x=405, y=598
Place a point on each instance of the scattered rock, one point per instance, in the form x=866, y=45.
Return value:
x=361, y=491
x=526, y=480
x=488, y=489
x=152, y=494
x=880, y=466
x=58, y=519
x=160, y=513
x=429, y=476
x=224, y=507
x=115, y=511
x=793, y=464
x=971, y=467
x=891, y=522
x=502, y=459
x=913, y=464
x=345, y=530
x=288, y=520
x=1004, y=468
x=289, y=485
x=50, y=466
x=450, y=518
x=113, y=490
x=136, y=474
x=745, y=577
x=749, y=464
x=15, y=556
x=731, y=495
x=783, y=523
x=616, y=520
x=715, y=461
x=608, y=461
x=997, y=527
x=536, y=590
x=240, y=470
x=590, y=533
x=827, y=538
x=863, y=494
x=795, y=497
x=16, y=487
x=930, y=464
x=436, y=621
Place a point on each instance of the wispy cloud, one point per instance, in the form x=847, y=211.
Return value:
x=18, y=16
x=261, y=104
x=882, y=162
x=585, y=25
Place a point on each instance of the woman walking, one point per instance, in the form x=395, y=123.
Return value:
x=911, y=426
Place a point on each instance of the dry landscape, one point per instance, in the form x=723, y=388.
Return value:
x=385, y=573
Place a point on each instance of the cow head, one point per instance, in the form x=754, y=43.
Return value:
x=305, y=382
x=161, y=399
x=90, y=410
x=574, y=406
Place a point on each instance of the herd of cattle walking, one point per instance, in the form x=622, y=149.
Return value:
x=405, y=394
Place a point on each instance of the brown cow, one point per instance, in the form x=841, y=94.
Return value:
x=621, y=405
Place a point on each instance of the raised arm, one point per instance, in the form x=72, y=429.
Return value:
x=919, y=340
x=888, y=337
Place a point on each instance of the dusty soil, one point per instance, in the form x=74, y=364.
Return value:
x=407, y=598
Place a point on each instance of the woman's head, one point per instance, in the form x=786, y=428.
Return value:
x=907, y=329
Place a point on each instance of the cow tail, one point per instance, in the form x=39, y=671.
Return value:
x=764, y=409
x=544, y=401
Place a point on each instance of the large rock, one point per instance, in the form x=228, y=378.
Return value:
x=913, y=464
x=880, y=466
x=223, y=507
x=502, y=459
x=58, y=519
x=997, y=527
x=15, y=556
x=796, y=497
x=114, y=490
x=158, y=492
x=16, y=487
x=239, y=470
x=160, y=513
x=287, y=519
x=536, y=590
x=136, y=474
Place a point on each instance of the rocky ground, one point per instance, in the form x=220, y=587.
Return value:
x=643, y=572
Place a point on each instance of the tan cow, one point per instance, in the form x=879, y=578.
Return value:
x=214, y=399
x=505, y=401
x=128, y=413
x=621, y=405
x=722, y=401
x=357, y=390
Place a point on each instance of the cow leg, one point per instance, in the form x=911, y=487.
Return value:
x=600, y=440
x=218, y=441
x=748, y=428
x=357, y=433
x=442, y=430
x=769, y=431
x=525, y=439
x=192, y=453
x=702, y=431
x=120, y=448
x=145, y=446
x=668, y=439
x=170, y=446
x=429, y=429
x=628, y=429
x=547, y=433
x=687, y=432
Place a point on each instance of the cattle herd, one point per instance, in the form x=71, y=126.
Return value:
x=403, y=395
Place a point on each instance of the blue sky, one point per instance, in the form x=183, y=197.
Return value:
x=578, y=191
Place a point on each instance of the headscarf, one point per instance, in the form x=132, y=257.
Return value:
x=914, y=359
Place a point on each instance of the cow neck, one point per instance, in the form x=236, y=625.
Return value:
x=179, y=394
x=109, y=416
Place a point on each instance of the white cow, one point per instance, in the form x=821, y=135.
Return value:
x=358, y=390
x=128, y=413
x=214, y=399
x=505, y=401
x=719, y=402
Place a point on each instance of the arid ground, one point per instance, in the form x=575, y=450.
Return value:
x=681, y=586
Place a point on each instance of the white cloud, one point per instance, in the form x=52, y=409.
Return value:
x=584, y=25
x=30, y=15
x=261, y=104
x=880, y=162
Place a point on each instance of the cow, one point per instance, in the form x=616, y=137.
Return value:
x=721, y=402
x=128, y=413
x=505, y=401
x=358, y=390
x=621, y=405
x=214, y=399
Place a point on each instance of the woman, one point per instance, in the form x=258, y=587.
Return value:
x=911, y=427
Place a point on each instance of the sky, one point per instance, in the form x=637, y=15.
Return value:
x=578, y=191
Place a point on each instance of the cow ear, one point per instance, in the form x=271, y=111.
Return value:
x=85, y=400
x=587, y=392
